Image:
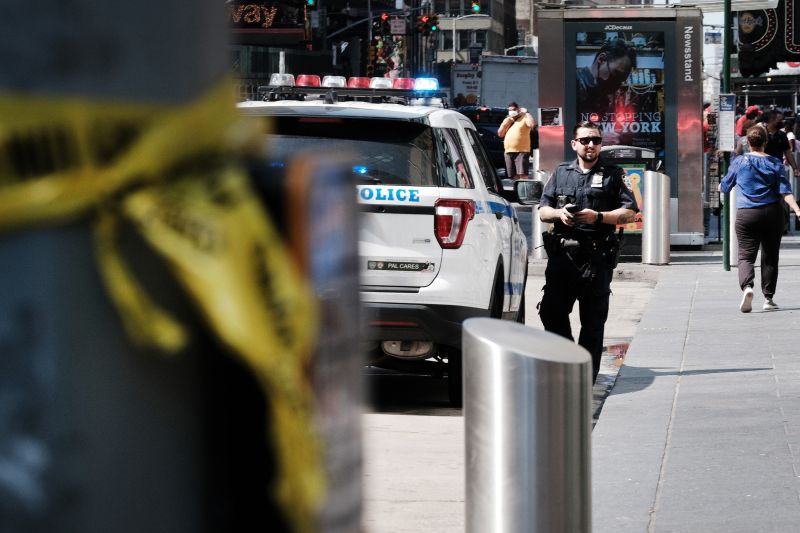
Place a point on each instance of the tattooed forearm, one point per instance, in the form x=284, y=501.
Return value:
x=624, y=218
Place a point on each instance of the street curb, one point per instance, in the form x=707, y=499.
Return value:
x=624, y=271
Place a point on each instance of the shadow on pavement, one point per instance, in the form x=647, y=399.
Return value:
x=635, y=379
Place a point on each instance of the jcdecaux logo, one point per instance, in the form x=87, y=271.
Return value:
x=387, y=194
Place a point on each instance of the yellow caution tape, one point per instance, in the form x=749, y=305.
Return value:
x=165, y=171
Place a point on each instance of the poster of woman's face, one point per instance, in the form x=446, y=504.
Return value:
x=620, y=85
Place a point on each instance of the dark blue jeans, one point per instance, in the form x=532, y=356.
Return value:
x=564, y=284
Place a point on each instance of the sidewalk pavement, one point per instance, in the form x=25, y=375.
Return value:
x=701, y=432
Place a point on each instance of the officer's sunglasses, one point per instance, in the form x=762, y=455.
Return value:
x=594, y=140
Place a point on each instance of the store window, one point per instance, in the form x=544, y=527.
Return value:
x=464, y=39
x=446, y=40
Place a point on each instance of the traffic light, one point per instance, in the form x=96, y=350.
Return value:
x=476, y=6
x=385, y=25
x=433, y=23
x=311, y=4
x=423, y=25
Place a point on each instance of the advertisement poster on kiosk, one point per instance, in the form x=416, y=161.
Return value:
x=620, y=86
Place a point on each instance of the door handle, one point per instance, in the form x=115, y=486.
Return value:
x=498, y=215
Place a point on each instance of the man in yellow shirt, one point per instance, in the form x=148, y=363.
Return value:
x=516, y=134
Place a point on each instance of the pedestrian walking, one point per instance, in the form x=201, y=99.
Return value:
x=585, y=200
x=747, y=120
x=515, y=130
x=763, y=189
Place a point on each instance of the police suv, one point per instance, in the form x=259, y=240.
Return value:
x=439, y=239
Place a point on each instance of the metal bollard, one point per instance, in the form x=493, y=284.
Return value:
x=655, y=234
x=527, y=417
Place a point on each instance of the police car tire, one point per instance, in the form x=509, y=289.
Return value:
x=455, y=378
x=496, y=301
x=521, y=311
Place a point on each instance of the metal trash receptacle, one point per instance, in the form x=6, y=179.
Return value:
x=655, y=231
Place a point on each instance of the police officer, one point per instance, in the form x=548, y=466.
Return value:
x=585, y=200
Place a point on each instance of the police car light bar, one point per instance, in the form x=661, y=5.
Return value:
x=380, y=83
x=281, y=80
x=414, y=91
x=334, y=81
x=426, y=84
x=307, y=80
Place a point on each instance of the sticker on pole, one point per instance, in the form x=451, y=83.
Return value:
x=727, y=124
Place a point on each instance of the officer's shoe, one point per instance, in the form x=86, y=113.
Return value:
x=747, y=300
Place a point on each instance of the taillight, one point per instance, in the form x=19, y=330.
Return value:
x=450, y=221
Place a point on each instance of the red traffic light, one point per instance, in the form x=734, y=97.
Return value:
x=384, y=17
x=424, y=19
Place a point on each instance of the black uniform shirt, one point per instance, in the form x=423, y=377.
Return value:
x=777, y=144
x=600, y=189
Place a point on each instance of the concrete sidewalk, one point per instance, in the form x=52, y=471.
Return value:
x=701, y=432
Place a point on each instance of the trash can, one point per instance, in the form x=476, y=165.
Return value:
x=655, y=230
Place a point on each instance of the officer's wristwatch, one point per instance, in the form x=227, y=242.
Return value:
x=599, y=218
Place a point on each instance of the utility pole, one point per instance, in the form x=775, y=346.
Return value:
x=726, y=84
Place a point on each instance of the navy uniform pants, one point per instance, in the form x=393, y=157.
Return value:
x=564, y=284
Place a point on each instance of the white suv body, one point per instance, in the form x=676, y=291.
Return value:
x=439, y=241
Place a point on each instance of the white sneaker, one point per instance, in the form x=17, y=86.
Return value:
x=747, y=300
x=770, y=305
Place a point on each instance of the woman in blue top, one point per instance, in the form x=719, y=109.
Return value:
x=763, y=186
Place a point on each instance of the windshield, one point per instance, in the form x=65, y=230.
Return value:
x=385, y=152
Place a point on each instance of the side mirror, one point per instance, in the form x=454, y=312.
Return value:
x=528, y=192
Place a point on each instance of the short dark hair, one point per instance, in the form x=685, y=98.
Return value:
x=586, y=124
x=512, y=104
x=616, y=49
x=769, y=115
x=756, y=137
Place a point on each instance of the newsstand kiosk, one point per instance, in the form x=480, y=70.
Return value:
x=649, y=104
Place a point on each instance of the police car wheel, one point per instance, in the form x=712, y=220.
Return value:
x=455, y=378
x=496, y=302
x=521, y=312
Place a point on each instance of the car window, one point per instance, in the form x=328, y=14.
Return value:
x=456, y=168
x=484, y=163
x=487, y=116
x=388, y=152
